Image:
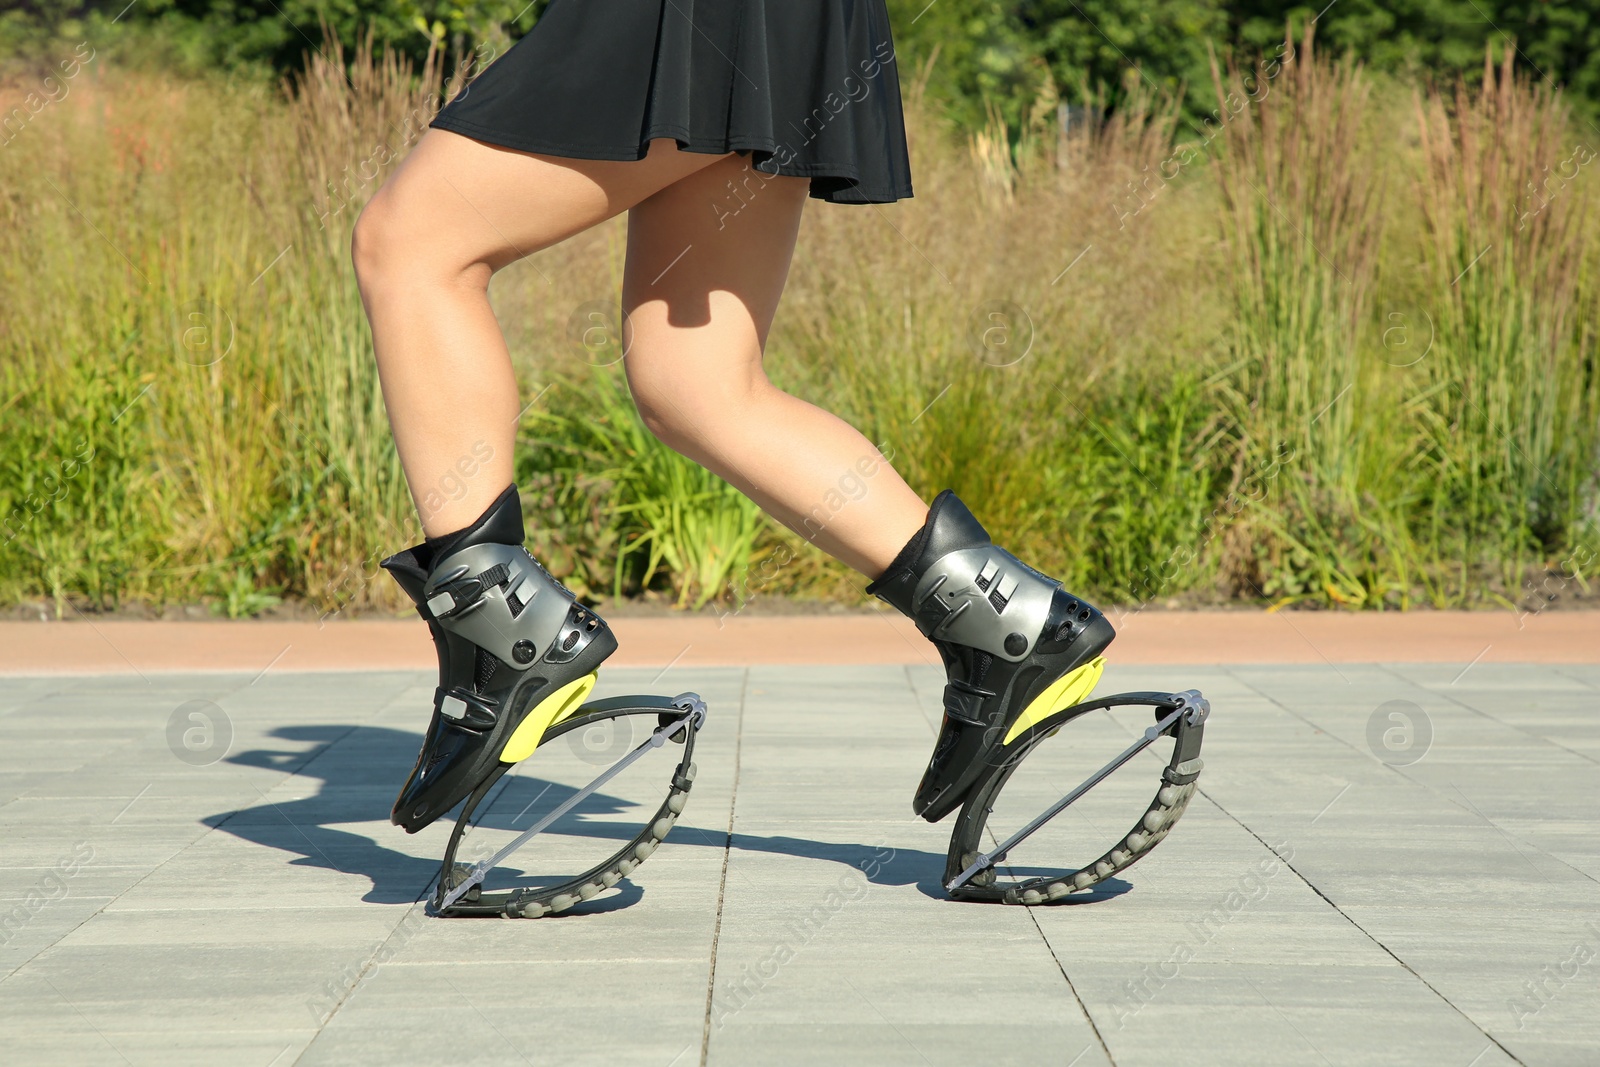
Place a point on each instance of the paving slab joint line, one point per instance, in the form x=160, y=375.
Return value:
x=366, y=969
x=1468, y=807
x=722, y=881
x=1071, y=987
x=1586, y=683
x=1367, y=933
x=1552, y=742
x=1088, y=1017
x=19, y=968
x=367, y=965
x=994, y=842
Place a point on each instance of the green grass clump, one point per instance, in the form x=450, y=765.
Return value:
x=659, y=517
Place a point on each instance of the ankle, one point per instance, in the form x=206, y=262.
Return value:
x=499, y=524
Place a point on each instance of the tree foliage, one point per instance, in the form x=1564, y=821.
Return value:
x=1004, y=53
x=1000, y=49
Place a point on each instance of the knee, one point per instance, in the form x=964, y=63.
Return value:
x=664, y=407
x=374, y=238
x=392, y=248
x=686, y=412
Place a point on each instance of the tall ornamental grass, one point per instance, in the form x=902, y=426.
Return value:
x=1300, y=184
x=1324, y=348
x=1513, y=421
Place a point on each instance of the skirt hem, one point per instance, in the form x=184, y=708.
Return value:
x=686, y=143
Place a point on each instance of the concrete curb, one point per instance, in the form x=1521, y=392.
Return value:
x=1201, y=637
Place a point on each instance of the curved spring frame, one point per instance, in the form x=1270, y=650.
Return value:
x=459, y=892
x=970, y=872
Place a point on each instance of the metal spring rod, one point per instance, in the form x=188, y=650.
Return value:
x=480, y=870
x=986, y=860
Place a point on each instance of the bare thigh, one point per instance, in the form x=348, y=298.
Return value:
x=475, y=205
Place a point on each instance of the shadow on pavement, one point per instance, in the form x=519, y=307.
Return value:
x=361, y=766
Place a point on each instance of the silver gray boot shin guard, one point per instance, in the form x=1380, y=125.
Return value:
x=508, y=637
x=1004, y=631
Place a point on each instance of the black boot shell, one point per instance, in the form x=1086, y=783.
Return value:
x=1004, y=631
x=507, y=635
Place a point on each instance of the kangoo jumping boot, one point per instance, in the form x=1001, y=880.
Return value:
x=1010, y=637
x=516, y=652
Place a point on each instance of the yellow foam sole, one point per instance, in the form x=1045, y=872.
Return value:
x=1071, y=688
x=551, y=710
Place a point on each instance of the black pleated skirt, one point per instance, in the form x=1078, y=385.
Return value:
x=808, y=88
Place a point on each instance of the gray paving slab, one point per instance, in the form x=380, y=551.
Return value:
x=1587, y=673
x=1333, y=895
x=90, y=1046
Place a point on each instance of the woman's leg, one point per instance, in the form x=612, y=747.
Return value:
x=455, y=212
x=705, y=269
x=700, y=289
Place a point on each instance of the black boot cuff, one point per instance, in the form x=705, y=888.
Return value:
x=501, y=524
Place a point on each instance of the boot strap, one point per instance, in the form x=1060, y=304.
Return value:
x=463, y=593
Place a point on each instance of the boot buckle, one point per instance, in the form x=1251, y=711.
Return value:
x=464, y=708
x=461, y=594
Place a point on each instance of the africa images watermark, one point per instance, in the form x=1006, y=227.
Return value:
x=52, y=90
x=850, y=487
x=799, y=931
x=51, y=887
x=451, y=487
x=853, y=90
x=61, y=472
x=1569, y=571
x=740, y=194
x=1252, y=489
x=345, y=190
x=1250, y=889
x=1168, y=169
x=1553, y=979
x=1582, y=155
x=341, y=985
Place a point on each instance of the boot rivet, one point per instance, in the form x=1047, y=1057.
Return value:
x=523, y=651
x=1016, y=644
